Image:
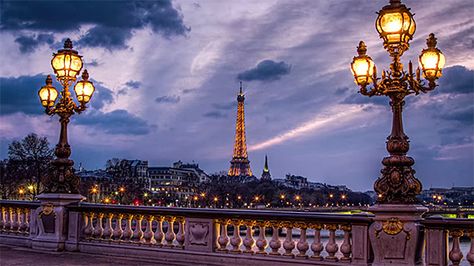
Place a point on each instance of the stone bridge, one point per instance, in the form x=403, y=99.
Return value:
x=181, y=236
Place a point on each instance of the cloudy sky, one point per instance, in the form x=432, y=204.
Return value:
x=167, y=75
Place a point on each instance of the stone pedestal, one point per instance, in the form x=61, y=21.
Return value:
x=396, y=236
x=52, y=220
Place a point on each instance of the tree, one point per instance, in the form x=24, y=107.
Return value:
x=30, y=159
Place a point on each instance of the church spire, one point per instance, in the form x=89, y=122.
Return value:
x=266, y=171
x=240, y=164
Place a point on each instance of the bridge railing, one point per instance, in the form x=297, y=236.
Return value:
x=438, y=231
x=18, y=222
x=223, y=236
x=279, y=237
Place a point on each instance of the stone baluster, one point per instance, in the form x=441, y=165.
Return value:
x=108, y=231
x=148, y=235
x=89, y=227
x=21, y=219
x=302, y=245
x=98, y=228
x=2, y=218
x=289, y=244
x=317, y=247
x=223, y=239
x=170, y=235
x=15, y=217
x=118, y=231
x=248, y=240
x=8, y=219
x=346, y=247
x=331, y=246
x=19, y=213
x=25, y=224
x=180, y=234
x=275, y=243
x=470, y=254
x=138, y=233
x=236, y=240
x=455, y=255
x=128, y=233
x=261, y=241
x=159, y=234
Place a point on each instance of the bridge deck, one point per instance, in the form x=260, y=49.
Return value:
x=13, y=256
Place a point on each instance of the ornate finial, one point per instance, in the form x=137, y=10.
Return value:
x=395, y=3
x=68, y=44
x=362, y=48
x=85, y=75
x=49, y=80
x=431, y=41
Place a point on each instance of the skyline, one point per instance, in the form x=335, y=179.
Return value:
x=166, y=87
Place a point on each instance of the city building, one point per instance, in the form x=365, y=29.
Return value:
x=125, y=171
x=240, y=164
x=181, y=180
x=452, y=196
x=203, y=177
x=293, y=181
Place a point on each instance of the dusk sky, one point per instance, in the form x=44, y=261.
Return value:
x=167, y=75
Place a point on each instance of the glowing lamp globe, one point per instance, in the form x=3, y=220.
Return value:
x=362, y=66
x=431, y=60
x=66, y=63
x=396, y=26
x=84, y=88
x=48, y=93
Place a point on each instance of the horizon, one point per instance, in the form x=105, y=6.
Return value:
x=166, y=88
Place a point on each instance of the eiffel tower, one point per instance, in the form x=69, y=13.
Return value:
x=240, y=164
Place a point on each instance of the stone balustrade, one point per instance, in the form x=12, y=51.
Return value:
x=438, y=231
x=223, y=236
x=17, y=221
x=258, y=236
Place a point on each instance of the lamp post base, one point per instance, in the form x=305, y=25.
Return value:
x=52, y=220
x=396, y=236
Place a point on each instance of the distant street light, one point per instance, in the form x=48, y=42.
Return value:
x=21, y=191
x=396, y=26
x=67, y=64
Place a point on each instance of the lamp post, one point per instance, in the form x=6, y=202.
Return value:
x=397, y=213
x=66, y=63
x=396, y=26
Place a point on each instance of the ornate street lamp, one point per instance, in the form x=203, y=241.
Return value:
x=67, y=64
x=396, y=26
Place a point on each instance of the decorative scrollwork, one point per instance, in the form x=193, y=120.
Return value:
x=392, y=226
